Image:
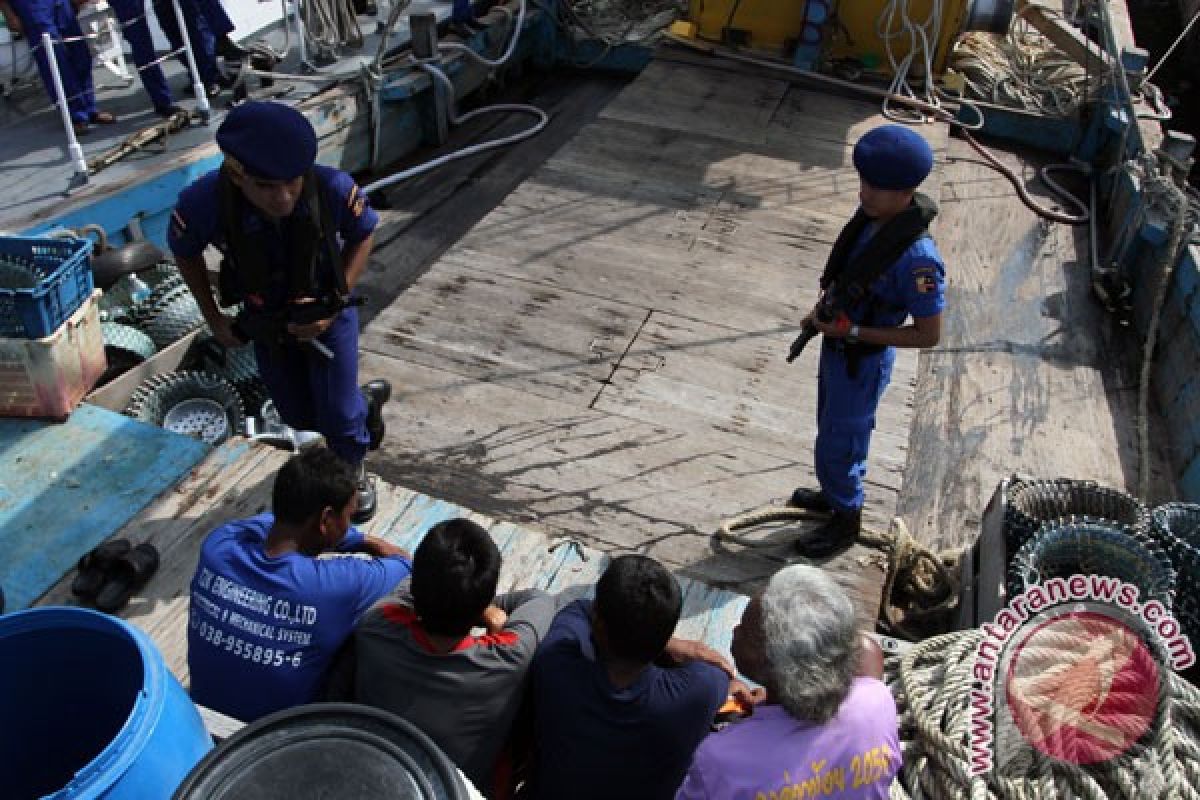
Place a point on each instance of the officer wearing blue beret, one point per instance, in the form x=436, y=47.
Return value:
x=884, y=269
x=296, y=237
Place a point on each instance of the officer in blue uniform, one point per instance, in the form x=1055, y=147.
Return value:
x=74, y=58
x=296, y=237
x=132, y=16
x=883, y=270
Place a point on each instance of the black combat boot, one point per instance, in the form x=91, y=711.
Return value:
x=833, y=537
x=810, y=500
x=377, y=393
x=366, y=497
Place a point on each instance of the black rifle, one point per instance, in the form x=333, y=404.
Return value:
x=271, y=327
x=826, y=313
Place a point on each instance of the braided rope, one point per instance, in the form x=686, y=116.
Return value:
x=923, y=582
x=931, y=684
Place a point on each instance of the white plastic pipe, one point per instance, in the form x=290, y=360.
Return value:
x=197, y=85
x=73, y=148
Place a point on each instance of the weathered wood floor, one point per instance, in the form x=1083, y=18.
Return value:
x=602, y=354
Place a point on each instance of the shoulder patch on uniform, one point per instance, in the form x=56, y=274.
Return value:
x=356, y=201
x=926, y=283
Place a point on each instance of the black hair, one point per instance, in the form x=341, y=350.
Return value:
x=309, y=483
x=639, y=603
x=454, y=576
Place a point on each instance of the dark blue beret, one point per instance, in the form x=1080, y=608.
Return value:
x=272, y=141
x=893, y=157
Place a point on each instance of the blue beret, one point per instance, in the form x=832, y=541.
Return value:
x=272, y=141
x=893, y=157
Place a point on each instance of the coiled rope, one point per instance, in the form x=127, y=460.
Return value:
x=921, y=585
x=931, y=684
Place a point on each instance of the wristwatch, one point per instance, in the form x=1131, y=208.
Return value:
x=852, y=336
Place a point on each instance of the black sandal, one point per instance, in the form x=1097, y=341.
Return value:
x=127, y=574
x=94, y=565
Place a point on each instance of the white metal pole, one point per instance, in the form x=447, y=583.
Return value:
x=300, y=32
x=117, y=38
x=73, y=148
x=197, y=85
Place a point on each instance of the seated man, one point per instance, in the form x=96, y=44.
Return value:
x=416, y=656
x=609, y=721
x=797, y=638
x=266, y=614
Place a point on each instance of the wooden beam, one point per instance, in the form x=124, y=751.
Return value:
x=1051, y=24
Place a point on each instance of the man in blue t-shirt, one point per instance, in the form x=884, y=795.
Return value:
x=884, y=269
x=296, y=238
x=610, y=721
x=267, y=615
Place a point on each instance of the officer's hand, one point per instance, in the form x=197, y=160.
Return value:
x=222, y=329
x=836, y=328
x=308, y=330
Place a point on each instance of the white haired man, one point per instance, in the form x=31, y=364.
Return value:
x=823, y=729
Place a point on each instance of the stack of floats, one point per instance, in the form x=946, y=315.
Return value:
x=209, y=396
x=1060, y=527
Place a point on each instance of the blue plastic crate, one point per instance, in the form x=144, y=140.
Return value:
x=62, y=280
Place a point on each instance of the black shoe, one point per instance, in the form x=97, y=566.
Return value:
x=833, y=537
x=366, y=498
x=810, y=500
x=377, y=393
x=166, y=112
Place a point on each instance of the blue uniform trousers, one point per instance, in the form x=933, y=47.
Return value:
x=201, y=36
x=131, y=15
x=57, y=17
x=214, y=15
x=845, y=418
x=313, y=393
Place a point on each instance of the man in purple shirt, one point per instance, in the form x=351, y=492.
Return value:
x=822, y=731
x=266, y=615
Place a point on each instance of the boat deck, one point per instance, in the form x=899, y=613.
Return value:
x=587, y=335
x=38, y=173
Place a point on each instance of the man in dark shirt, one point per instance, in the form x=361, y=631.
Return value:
x=619, y=703
x=416, y=655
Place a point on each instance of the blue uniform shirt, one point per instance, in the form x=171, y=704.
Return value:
x=598, y=741
x=262, y=631
x=196, y=222
x=914, y=285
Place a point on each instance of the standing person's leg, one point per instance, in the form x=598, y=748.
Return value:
x=43, y=16
x=846, y=418
x=198, y=35
x=338, y=404
x=132, y=16
x=79, y=58
x=215, y=17
x=284, y=370
x=350, y=417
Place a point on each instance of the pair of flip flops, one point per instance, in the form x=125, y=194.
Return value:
x=110, y=573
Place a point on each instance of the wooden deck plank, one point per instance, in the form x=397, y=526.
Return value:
x=601, y=356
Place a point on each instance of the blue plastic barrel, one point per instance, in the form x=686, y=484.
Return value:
x=89, y=710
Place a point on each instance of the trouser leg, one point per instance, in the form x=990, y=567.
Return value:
x=131, y=15
x=846, y=409
x=338, y=403
x=49, y=16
